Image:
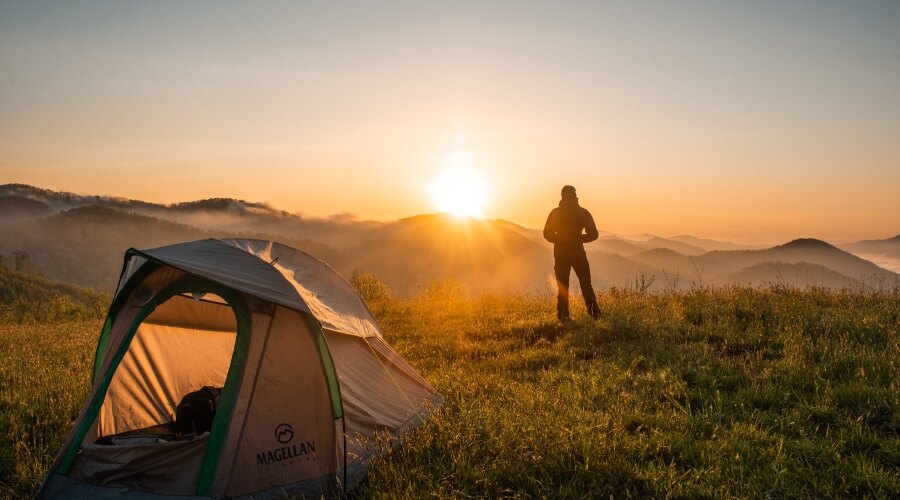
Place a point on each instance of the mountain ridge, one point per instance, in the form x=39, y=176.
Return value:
x=409, y=253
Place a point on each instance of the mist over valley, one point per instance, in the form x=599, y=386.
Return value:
x=81, y=239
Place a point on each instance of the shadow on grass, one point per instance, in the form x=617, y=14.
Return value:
x=549, y=331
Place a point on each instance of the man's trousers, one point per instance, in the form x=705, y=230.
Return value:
x=566, y=260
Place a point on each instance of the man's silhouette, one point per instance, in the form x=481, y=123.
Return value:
x=569, y=227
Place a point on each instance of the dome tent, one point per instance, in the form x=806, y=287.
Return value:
x=306, y=387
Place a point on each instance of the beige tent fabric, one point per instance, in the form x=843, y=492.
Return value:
x=378, y=395
x=122, y=322
x=161, y=364
x=329, y=297
x=151, y=285
x=399, y=363
x=169, y=468
x=259, y=336
x=282, y=431
x=288, y=432
x=205, y=312
x=231, y=267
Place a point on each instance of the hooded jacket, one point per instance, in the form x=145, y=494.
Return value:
x=569, y=225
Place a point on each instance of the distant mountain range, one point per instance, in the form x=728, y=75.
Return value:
x=81, y=239
x=889, y=247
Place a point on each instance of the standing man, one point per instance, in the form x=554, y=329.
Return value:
x=569, y=227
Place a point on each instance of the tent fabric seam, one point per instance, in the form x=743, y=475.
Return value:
x=137, y=277
x=253, y=388
x=229, y=393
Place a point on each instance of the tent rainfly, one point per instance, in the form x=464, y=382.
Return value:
x=236, y=368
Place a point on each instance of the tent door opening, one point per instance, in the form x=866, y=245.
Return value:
x=169, y=383
x=182, y=358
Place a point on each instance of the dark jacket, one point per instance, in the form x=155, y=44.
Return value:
x=570, y=226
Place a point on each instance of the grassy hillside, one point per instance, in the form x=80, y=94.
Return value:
x=732, y=392
x=30, y=297
x=707, y=393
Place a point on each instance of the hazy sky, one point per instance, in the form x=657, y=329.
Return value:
x=744, y=120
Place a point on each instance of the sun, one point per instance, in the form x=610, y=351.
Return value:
x=461, y=192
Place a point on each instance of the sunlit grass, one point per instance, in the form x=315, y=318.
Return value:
x=704, y=393
x=44, y=377
x=723, y=393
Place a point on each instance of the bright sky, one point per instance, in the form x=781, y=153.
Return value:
x=753, y=121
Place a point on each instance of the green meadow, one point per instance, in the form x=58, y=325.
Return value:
x=707, y=392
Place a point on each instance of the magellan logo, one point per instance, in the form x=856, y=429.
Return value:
x=289, y=453
x=284, y=433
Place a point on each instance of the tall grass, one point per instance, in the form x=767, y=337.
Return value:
x=44, y=378
x=732, y=392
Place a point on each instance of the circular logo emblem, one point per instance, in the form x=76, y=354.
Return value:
x=284, y=433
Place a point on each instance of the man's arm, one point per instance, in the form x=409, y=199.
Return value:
x=589, y=228
x=550, y=228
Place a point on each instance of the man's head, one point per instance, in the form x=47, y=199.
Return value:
x=568, y=192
